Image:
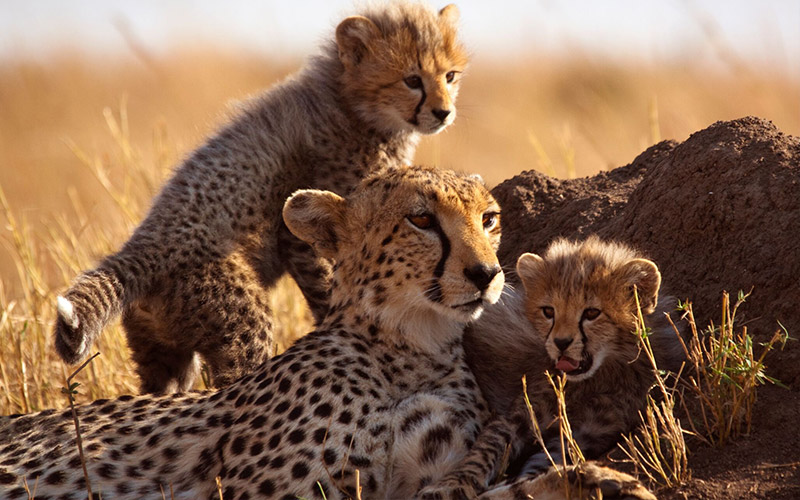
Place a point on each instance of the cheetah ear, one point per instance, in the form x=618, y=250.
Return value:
x=478, y=177
x=354, y=36
x=530, y=268
x=450, y=14
x=316, y=217
x=644, y=275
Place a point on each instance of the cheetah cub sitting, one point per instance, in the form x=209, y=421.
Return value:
x=193, y=280
x=576, y=317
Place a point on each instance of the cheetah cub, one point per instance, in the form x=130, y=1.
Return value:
x=576, y=317
x=193, y=280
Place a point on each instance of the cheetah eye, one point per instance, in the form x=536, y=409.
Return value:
x=450, y=76
x=490, y=220
x=422, y=221
x=413, y=82
x=591, y=313
x=548, y=312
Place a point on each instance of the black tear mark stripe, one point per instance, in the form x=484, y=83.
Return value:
x=415, y=120
x=435, y=292
x=583, y=334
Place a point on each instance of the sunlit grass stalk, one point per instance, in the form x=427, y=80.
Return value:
x=71, y=390
x=726, y=373
x=658, y=447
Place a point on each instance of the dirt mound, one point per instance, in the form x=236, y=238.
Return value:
x=720, y=211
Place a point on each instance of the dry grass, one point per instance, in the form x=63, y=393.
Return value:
x=85, y=144
x=714, y=394
x=725, y=373
x=49, y=256
x=570, y=451
x=658, y=447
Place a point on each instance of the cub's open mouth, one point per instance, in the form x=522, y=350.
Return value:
x=574, y=367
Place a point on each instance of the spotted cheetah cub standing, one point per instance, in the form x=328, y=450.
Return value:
x=577, y=316
x=194, y=278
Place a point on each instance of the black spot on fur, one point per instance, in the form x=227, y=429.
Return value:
x=297, y=436
x=299, y=470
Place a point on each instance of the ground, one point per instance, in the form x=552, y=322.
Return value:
x=720, y=211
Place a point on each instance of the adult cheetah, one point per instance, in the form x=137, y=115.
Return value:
x=193, y=280
x=381, y=386
x=378, y=396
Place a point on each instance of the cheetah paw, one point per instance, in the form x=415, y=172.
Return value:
x=584, y=482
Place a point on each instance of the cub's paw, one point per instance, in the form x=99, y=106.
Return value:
x=584, y=482
x=602, y=482
x=72, y=334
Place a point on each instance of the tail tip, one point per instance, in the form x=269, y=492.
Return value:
x=67, y=312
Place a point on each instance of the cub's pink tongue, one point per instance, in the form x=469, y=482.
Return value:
x=566, y=364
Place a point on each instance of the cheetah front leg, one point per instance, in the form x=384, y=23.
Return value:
x=473, y=475
x=580, y=482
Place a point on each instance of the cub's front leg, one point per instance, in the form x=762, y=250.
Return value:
x=587, y=481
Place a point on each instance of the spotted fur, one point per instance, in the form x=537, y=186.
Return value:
x=380, y=387
x=576, y=316
x=193, y=280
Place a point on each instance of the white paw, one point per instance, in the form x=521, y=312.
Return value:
x=67, y=312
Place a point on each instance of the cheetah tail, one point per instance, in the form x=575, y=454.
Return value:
x=91, y=302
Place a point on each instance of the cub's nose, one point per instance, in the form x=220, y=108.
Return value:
x=562, y=344
x=441, y=114
x=481, y=274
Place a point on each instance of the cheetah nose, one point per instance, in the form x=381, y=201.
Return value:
x=481, y=274
x=562, y=344
x=441, y=114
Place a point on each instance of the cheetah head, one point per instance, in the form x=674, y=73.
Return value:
x=580, y=299
x=414, y=249
x=402, y=66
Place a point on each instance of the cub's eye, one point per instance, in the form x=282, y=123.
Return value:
x=450, y=76
x=413, y=82
x=591, y=313
x=490, y=220
x=548, y=312
x=422, y=221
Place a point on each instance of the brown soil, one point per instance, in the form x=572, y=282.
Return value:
x=720, y=211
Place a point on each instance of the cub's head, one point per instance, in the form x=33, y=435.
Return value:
x=402, y=66
x=580, y=298
x=414, y=249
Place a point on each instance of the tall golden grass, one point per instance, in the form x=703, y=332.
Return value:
x=85, y=144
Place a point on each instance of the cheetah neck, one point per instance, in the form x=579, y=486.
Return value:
x=416, y=329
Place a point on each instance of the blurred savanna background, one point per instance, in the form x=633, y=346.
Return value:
x=99, y=100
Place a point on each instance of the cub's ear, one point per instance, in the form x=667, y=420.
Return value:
x=478, y=177
x=644, y=275
x=449, y=14
x=354, y=36
x=529, y=269
x=316, y=217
